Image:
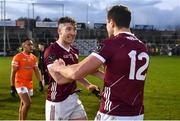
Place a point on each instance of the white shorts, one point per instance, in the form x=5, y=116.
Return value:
x=25, y=90
x=105, y=117
x=70, y=108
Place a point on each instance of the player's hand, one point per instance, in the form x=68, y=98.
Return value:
x=61, y=61
x=13, y=91
x=57, y=64
x=41, y=86
x=95, y=90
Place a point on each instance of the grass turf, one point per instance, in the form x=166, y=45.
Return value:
x=162, y=92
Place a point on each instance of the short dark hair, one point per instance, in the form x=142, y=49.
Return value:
x=66, y=19
x=24, y=39
x=121, y=15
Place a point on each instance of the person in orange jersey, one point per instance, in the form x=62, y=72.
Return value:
x=22, y=67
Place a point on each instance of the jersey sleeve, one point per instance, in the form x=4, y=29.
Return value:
x=103, y=51
x=15, y=60
x=49, y=56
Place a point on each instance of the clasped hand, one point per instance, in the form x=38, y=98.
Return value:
x=57, y=64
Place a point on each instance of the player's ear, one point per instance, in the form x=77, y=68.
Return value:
x=60, y=28
x=110, y=22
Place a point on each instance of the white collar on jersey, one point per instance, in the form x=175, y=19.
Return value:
x=68, y=50
x=127, y=33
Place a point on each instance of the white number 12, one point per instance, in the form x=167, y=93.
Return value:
x=138, y=74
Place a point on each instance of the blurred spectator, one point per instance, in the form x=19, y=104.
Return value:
x=41, y=49
x=169, y=50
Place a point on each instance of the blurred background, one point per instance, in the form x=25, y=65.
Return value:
x=155, y=22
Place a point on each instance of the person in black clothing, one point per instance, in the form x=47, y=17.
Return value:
x=41, y=49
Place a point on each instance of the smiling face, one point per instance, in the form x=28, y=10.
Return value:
x=28, y=46
x=67, y=33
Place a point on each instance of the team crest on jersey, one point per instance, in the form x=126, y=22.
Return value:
x=66, y=56
x=100, y=47
x=51, y=58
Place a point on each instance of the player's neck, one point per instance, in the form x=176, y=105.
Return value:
x=117, y=30
x=26, y=53
x=65, y=45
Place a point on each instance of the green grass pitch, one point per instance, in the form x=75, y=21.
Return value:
x=162, y=92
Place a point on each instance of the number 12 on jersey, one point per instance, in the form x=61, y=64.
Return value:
x=134, y=58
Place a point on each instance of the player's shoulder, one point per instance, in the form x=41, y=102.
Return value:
x=74, y=48
x=140, y=45
x=51, y=47
x=18, y=55
x=51, y=50
x=33, y=56
x=131, y=38
x=107, y=41
x=113, y=38
x=104, y=43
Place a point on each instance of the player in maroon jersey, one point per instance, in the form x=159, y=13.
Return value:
x=125, y=61
x=62, y=102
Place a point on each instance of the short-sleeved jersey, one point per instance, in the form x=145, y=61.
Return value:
x=26, y=64
x=57, y=93
x=126, y=61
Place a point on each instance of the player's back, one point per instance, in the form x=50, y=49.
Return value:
x=125, y=69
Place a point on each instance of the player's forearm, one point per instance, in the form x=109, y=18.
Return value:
x=39, y=77
x=63, y=80
x=58, y=77
x=99, y=74
x=84, y=82
x=12, y=77
x=68, y=72
x=38, y=74
x=71, y=72
x=76, y=71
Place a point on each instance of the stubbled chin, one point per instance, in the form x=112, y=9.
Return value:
x=70, y=41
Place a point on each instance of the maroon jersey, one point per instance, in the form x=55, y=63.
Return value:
x=126, y=61
x=57, y=93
